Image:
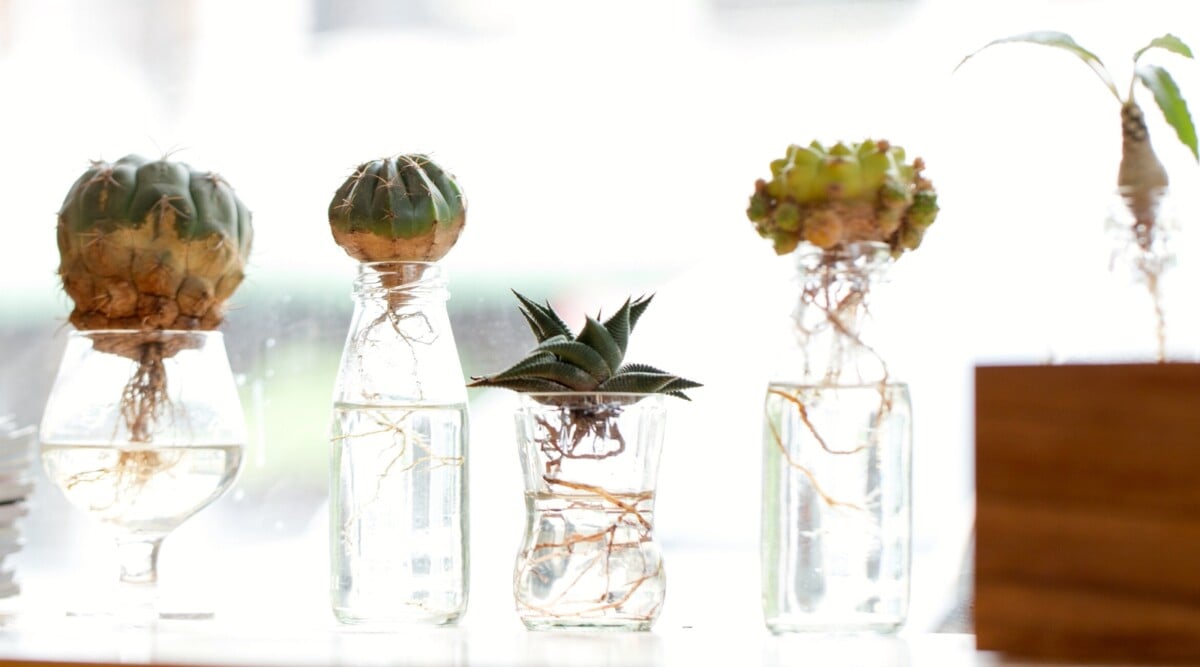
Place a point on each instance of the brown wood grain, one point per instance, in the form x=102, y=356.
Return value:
x=1088, y=511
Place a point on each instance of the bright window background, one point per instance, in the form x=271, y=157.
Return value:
x=606, y=148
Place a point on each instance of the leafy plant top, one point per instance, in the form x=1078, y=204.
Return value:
x=1140, y=167
x=591, y=361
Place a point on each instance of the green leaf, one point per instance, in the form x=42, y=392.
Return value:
x=1168, y=42
x=618, y=327
x=524, y=385
x=681, y=383
x=1172, y=104
x=595, y=336
x=637, y=308
x=553, y=370
x=637, y=383
x=639, y=368
x=534, y=358
x=1058, y=40
x=544, y=322
x=578, y=354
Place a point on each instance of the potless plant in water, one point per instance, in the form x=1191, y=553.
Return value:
x=575, y=371
x=146, y=246
x=845, y=212
x=400, y=432
x=393, y=214
x=1141, y=179
x=589, y=446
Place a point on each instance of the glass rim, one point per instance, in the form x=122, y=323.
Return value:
x=165, y=333
x=561, y=398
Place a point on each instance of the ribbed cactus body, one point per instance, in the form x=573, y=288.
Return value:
x=844, y=194
x=151, y=244
x=402, y=208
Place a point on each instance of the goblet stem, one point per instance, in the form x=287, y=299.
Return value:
x=139, y=559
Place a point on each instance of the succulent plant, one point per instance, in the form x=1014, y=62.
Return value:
x=398, y=209
x=842, y=195
x=151, y=244
x=591, y=361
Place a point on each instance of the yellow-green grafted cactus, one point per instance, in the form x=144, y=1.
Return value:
x=842, y=195
x=151, y=244
x=399, y=209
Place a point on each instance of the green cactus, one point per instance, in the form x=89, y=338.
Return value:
x=151, y=245
x=398, y=209
x=589, y=362
x=842, y=195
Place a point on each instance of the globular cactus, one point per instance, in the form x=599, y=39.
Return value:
x=590, y=362
x=151, y=244
x=846, y=194
x=398, y=209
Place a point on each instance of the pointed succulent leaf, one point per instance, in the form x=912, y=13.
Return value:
x=595, y=336
x=678, y=394
x=534, y=358
x=639, y=368
x=679, y=384
x=553, y=370
x=548, y=322
x=637, y=308
x=578, y=354
x=1058, y=40
x=1172, y=104
x=533, y=325
x=527, y=385
x=618, y=327
x=636, y=383
x=1168, y=42
x=584, y=363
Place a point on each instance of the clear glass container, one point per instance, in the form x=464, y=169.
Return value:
x=836, y=520
x=588, y=559
x=141, y=431
x=398, y=500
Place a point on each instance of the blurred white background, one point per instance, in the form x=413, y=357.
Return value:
x=606, y=148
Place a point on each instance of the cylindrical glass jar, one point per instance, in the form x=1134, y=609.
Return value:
x=588, y=559
x=142, y=430
x=398, y=500
x=836, y=520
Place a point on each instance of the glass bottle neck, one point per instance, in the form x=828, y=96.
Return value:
x=832, y=311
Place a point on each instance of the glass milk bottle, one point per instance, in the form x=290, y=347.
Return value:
x=398, y=499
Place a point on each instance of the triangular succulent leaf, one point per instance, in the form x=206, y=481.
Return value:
x=533, y=325
x=580, y=355
x=618, y=327
x=526, y=385
x=639, y=368
x=595, y=336
x=637, y=308
x=583, y=363
x=534, y=358
x=636, y=383
x=678, y=385
x=551, y=369
x=548, y=322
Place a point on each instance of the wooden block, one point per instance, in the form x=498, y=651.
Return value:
x=1088, y=511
